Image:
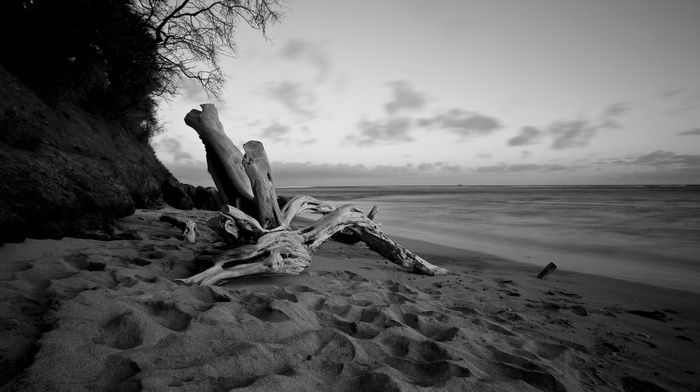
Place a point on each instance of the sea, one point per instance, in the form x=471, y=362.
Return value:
x=647, y=234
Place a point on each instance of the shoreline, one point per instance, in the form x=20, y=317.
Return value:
x=621, y=271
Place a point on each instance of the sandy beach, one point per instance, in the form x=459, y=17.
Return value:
x=88, y=315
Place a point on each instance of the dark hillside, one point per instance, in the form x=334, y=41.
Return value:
x=64, y=171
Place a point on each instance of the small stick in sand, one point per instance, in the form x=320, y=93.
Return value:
x=547, y=270
x=189, y=228
x=189, y=234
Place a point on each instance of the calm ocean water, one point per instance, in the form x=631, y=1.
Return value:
x=638, y=233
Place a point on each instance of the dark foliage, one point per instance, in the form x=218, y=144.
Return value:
x=97, y=53
x=115, y=57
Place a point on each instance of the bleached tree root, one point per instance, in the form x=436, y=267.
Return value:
x=266, y=244
x=288, y=252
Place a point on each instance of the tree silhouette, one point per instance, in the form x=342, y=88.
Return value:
x=116, y=57
x=192, y=35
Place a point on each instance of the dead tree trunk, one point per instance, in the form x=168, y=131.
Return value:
x=267, y=244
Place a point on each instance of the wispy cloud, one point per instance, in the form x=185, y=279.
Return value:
x=690, y=132
x=294, y=174
x=578, y=133
x=683, y=100
x=400, y=118
x=294, y=96
x=610, y=116
x=297, y=49
x=191, y=172
x=193, y=92
x=504, y=168
x=173, y=147
x=462, y=122
x=572, y=133
x=658, y=166
x=276, y=132
x=404, y=97
x=391, y=130
x=661, y=158
x=528, y=135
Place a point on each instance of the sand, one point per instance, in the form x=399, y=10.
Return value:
x=86, y=315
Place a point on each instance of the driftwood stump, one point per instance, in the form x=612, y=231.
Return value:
x=257, y=234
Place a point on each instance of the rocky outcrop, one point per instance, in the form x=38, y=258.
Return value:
x=185, y=196
x=207, y=199
x=174, y=194
x=64, y=172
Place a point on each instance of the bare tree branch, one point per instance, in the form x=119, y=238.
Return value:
x=191, y=35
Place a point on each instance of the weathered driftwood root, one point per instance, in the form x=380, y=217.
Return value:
x=266, y=244
x=349, y=235
x=282, y=251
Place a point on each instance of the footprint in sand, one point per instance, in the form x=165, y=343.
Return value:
x=520, y=368
x=86, y=262
x=547, y=351
x=263, y=307
x=123, y=332
x=579, y=311
x=168, y=315
x=630, y=384
x=118, y=374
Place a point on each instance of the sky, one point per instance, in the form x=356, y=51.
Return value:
x=472, y=92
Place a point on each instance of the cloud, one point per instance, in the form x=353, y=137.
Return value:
x=194, y=92
x=671, y=93
x=691, y=132
x=293, y=96
x=504, y=168
x=570, y=134
x=608, y=118
x=173, y=147
x=683, y=101
x=391, y=130
x=664, y=159
x=309, y=174
x=528, y=135
x=297, y=49
x=191, y=172
x=276, y=132
x=658, y=167
x=462, y=122
x=438, y=167
x=578, y=133
x=404, y=97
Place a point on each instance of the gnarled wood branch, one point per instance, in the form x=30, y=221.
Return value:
x=267, y=245
x=224, y=159
x=258, y=169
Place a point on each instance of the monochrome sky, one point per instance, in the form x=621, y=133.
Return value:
x=407, y=92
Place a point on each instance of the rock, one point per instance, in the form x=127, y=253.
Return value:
x=203, y=198
x=12, y=227
x=175, y=195
x=207, y=199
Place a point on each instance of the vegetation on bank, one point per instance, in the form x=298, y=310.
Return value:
x=117, y=58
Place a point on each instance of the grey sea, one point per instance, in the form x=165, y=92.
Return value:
x=648, y=234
